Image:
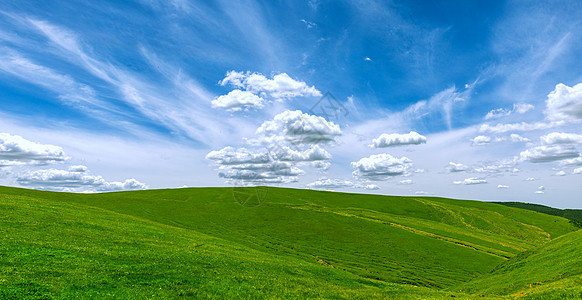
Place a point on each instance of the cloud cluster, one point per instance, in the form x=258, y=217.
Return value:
x=541, y=154
x=561, y=138
x=280, y=146
x=237, y=100
x=253, y=89
x=564, y=103
x=481, y=140
x=455, y=167
x=246, y=166
x=381, y=167
x=75, y=179
x=395, y=139
x=298, y=129
x=17, y=151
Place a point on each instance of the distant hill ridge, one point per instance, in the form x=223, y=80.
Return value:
x=575, y=215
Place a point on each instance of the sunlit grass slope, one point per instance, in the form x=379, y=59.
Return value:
x=552, y=271
x=296, y=243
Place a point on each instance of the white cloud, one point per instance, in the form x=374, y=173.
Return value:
x=471, y=181
x=371, y=187
x=308, y=24
x=395, y=139
x=17, y=151
x=314, y=153
x=455, y=167
x=577, y=161
x=237, y=100
x=502, y=187
x=577, y=171
x=406, y=181
x=502, y=128
x=530, y=179
x=565, y=103
x=516, y=138
x=298, y=129
x=494, y=167
x=381, y=167
x=497, y=113
x=481, y=140
x=520, y=108
x=542, y=154
x=561, y=138
x=75, y=179
x=252, y=166
x=327, y=183
x=281, y=87
x=560, y=173
x=541, y=190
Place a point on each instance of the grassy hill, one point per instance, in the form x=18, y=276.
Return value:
x=201, y=242
x=574, y=215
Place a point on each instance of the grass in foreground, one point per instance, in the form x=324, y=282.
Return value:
x=297, y=244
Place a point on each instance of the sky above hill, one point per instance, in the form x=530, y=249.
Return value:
x=466, y=99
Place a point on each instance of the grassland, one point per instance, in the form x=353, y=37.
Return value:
x=201, y=242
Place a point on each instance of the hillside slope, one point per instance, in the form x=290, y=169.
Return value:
x=296, y=243
x=552, y=271
x=575, y=215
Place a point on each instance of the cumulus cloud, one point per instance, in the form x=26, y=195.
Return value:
x=406, y=181
x=560, y=173
x=541, y=190
x=381, y=167
x=471, y=181
x=371, y=187
x=395, y=139
x=577, y=161
x=577, y=171
x=279, y=146
x=280, y=87
x=17, y=151
x=75, y=179
x=564, y=103
x=298, y=129
x=516, y=138
x=313, y=154
x=541, y=154
x=252, y=166
x=481, y=140
x=455, y=167
x=502, y=187
x=237, y=100
x=561, y=138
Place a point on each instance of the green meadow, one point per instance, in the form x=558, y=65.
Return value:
x=281, y=243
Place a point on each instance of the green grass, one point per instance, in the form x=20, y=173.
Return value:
x=200, y=242
x=574, y=215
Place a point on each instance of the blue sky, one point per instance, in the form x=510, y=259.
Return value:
x=466, y=99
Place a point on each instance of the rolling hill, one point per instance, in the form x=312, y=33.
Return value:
x=275, y=242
